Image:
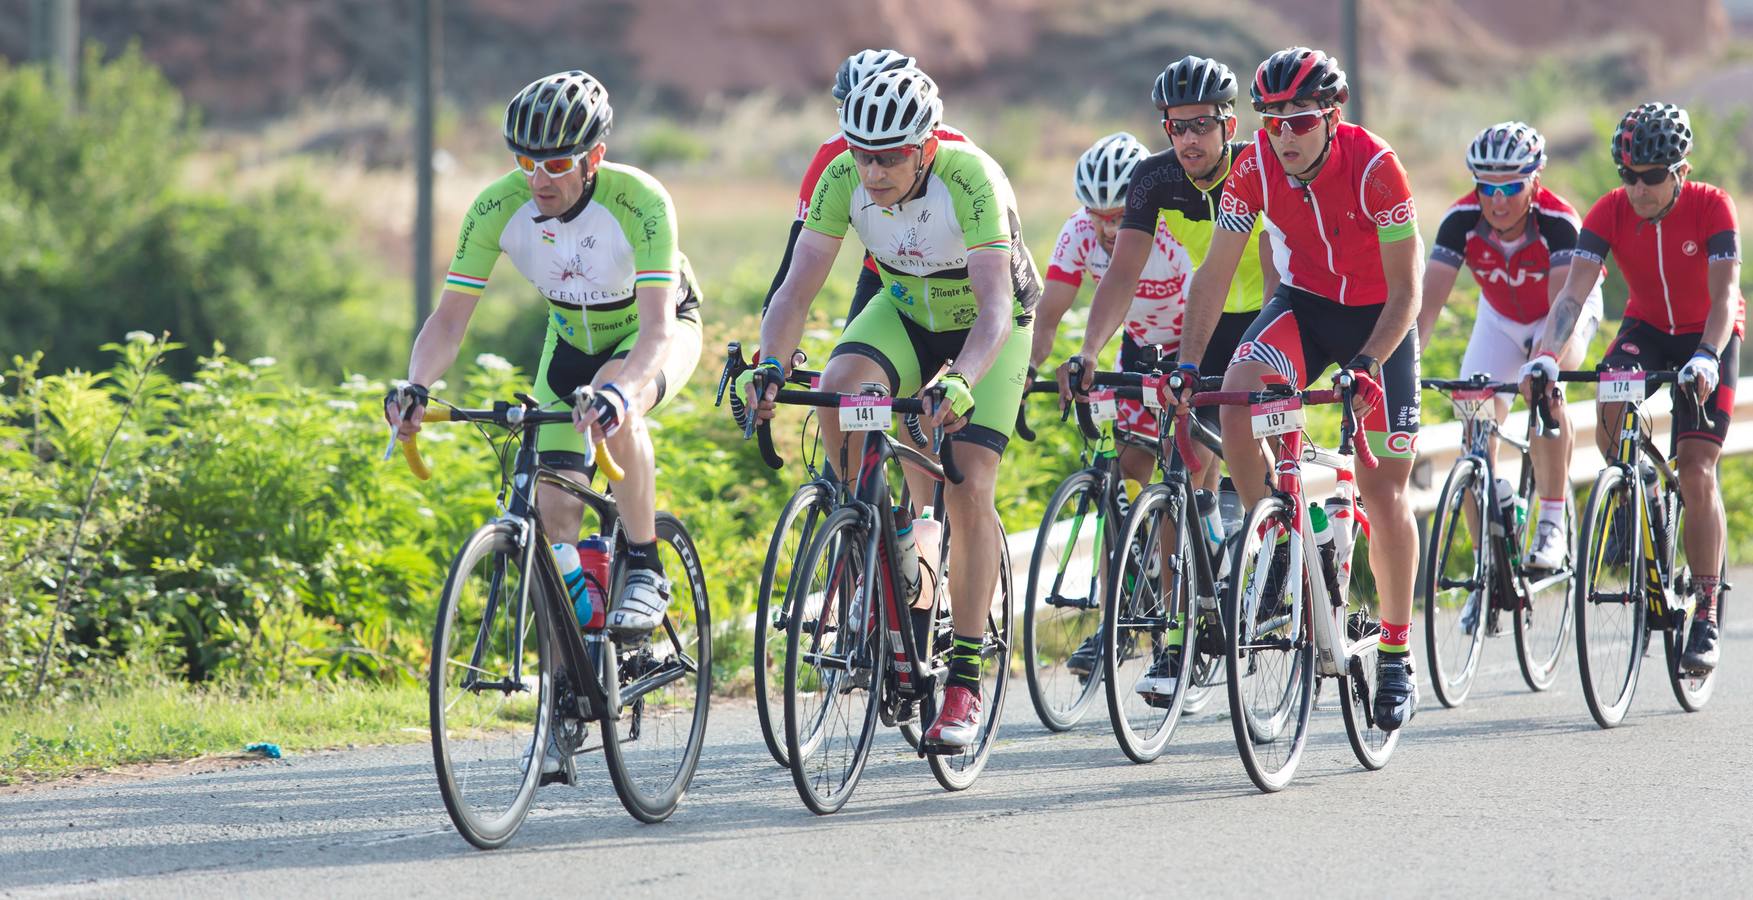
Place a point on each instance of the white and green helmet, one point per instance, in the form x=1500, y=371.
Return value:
x=564, y=114
x=896, y=108
x=1105, y=170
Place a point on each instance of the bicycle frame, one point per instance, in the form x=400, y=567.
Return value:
x=1664, y=603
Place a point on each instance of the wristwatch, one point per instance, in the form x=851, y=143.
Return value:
x=1368, y=364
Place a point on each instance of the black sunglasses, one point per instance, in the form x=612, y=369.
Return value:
x=1651, y=177
x=1200, y=125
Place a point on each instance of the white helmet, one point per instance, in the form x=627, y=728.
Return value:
x=862, y=65
x=1105, y=169
x=1507, y=148
x=896, y=108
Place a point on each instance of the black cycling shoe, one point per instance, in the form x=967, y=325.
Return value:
x=1088, y=656
x=1396, y=690
x=1701, y=653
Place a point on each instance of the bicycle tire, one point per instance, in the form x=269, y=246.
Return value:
x=1471, y=559
x=1691, y=691
x=1608, y=665
x=957, y=771
x=1133, y=604
x=1057, y=704
x=1268, y=755
x=805, y=510
x=1357, y=687
x=1539, y=663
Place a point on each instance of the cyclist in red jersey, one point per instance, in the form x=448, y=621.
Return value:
x=1517, y=237
x=853, y=69
x=1679, y=247
x=1345, y=242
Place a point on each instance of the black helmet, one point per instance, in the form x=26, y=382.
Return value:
x=561, y=115
x=1194, y=79
x=862, y=65
x=1299, y=73
x=1653, y=134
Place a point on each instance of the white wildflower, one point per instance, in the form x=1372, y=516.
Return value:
x=493, y=362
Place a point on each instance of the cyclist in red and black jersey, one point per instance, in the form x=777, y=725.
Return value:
x=1345, y=242
x=853, y=69
x=1517, y=237
x=1678, y=245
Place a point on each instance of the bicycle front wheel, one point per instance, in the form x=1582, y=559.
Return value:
x=1146, y=655
x=1611, y=612
x=1062, y=607
x=663, y=685
x=773, y=606
x=491, y=698
x=1543, y=626
x=1457, y=581
x=1268, y=654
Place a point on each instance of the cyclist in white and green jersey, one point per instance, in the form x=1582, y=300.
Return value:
x=598, y=240
x=956, y=311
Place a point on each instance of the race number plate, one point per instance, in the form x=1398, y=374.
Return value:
x=1103, y=407
x=1620, y=387
x=1277, y=417
x=866, y=413
x=1474, y=403
x=1153, y=391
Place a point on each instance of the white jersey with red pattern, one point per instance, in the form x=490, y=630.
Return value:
x=1155, y=316
x=1327, y=234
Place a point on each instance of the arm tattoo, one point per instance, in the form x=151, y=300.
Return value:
x=1564, y=315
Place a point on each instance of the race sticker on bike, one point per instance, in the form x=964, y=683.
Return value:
x=1621, y=387
x=1474, y=403
x=866, y=413
x=1276, y=417
x=1153, y=391
x=1103, y=407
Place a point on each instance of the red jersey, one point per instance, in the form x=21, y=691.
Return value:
x=1515, y=279
x=1326, y=234
x=1666, y=263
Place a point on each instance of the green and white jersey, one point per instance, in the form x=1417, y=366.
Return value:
x=921, y=246
x=621, y=235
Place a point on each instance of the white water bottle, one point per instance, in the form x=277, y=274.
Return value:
x=928, y=538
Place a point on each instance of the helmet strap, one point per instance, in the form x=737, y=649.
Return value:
x=1315, y=167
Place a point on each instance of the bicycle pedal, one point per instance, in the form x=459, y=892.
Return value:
x=930, y=749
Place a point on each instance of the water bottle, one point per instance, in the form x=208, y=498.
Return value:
x=1324, y=542
x=1210, y=522
x=1658, y=511
x=573, y=575
x=593, y=554
x=928, y=539
x=1343, y=518
x=906, y=559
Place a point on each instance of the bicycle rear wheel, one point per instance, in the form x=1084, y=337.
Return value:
x=663, y=686
x=1458, y=581
x=1149, y=593
x=834, y=662
x=1268, y=654
x=491, y=698
x=1062, y=606
x=1692, y=690
x=1543, y=626
x=1611, y=612
x=1357, y=688
x=956, y=771
x=791, y=537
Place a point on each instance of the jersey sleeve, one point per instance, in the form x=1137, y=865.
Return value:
x=1450, y=248
x=1559, y=232
x=979, y=192
x=1387, y=198
x=478, y=240
x=819, y=163
x=1242, y=197
x=1594, y=242
x=1070, y=253
x=648, y=218
x=1722, y=231
x=1144, y=191
x=830, y=211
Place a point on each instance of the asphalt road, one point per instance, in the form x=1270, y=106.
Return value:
x=1514, y=794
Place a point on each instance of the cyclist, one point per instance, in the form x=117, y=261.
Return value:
x=598, y=241
x=1346, y=244
x=1678, y=245
x=1516, y=236
x=853, y=69
x=940, y=219
x=1177, y=190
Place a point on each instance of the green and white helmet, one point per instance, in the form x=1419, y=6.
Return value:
x=564, y=114
x=896, y=108
x=1105, y=170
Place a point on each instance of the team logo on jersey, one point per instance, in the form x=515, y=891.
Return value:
x=1400, y=214
x=570, y=269
x=547, y=236
x=1690, y=248
x=900, y=294
x=1400, y=442
x=1629, y=348
x=910, y=246
x=1499, y=276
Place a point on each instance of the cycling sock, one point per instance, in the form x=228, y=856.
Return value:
x=644, y=556
x=1396, y=637
x=1552, y=510
x=965, y=662
x=921, y=631
x=1707, y=587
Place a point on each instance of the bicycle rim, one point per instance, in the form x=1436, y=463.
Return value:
x=1691, y=690
x=1357, y=688
x=1543, y=627
x=791, y=534
x=1457, y=582
x=1269, y=660
x=957, y=771
x=1061, y=611
x=1150, y=593
x=1610, y=604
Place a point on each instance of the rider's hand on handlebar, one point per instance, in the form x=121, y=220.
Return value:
x=402, y=407
x=958, y=402
x=1176, y=402
x=1069, y=393
x=1366, y=392
x=1702, y=372
x=771, y=374
x=1544, y=363
x=603, y=415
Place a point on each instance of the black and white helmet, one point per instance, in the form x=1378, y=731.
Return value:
x=862, y=65
x=1653, y=134
x=1105, y=170
x=896, y=108
x=561, y=115
x=1194, y=79
x=1507, y=148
